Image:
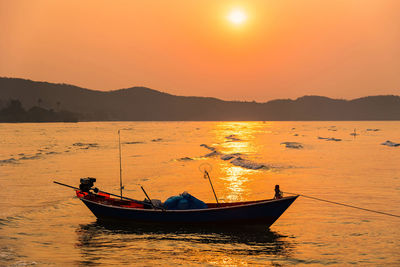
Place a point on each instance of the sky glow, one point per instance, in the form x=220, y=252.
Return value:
x=242, y=50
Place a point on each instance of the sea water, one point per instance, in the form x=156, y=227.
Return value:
x=42, y=223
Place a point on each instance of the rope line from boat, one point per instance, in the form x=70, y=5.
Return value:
x=346, y=205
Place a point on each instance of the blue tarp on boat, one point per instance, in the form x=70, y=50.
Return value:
x=184, y=201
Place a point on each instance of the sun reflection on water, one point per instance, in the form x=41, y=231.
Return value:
x=236, y=178
x=237, y=138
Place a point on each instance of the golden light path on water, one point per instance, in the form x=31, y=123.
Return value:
x=236, y=183
x=236, y=177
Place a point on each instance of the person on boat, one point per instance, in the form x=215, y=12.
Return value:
x=278, y=192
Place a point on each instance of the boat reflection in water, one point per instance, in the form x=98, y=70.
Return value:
x=102, y=242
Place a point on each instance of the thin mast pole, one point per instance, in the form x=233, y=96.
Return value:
x=212, y=187
x=120, y=164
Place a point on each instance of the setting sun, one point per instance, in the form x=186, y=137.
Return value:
x=237, y=16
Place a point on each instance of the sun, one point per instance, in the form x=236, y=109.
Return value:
x=237, y=16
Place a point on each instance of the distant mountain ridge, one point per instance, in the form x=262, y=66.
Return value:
x=144, y=104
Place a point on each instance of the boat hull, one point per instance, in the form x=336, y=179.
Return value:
x=259, y=213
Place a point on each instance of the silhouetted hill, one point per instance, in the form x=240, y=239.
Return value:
x=143, y=104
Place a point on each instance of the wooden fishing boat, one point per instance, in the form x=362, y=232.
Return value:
x=110, y=207
x=261, y=212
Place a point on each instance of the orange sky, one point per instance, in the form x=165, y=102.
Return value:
x=285, y=48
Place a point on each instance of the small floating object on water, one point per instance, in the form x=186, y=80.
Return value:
x=373, y=130
x=354, y=133
x=390, y=143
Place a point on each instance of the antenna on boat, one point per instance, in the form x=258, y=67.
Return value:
x=203, y=168
x=120, y=164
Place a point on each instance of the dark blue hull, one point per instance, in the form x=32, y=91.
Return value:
x=262, y=212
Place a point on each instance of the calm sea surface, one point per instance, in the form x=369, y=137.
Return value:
x=45, y=224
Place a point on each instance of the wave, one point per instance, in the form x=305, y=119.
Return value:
x=390, y=143
x=8, y=161
x=248, y=164
x=85, y=145
x=185, y=159
x=294, y=145
x=230, y=156
x=212, y=154
x=208, y=147
x=232, y=138
x=133, y=143
x=44, y=152
x=330, y=139
x=235, y=158
x=29, y=157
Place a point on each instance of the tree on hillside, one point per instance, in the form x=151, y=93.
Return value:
x=13, y=112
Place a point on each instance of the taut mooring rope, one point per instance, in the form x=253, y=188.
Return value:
x=346, y=205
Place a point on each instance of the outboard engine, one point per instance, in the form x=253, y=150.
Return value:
x=87, y=184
